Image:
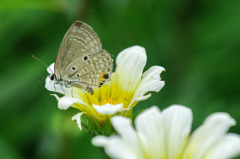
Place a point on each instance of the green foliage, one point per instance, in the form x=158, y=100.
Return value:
x=107, y=129
x=197, y=42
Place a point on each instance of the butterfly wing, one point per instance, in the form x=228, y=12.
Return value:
x=93, y=72
x=81, y=62
x=80, y=39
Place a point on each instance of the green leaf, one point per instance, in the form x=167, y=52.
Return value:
x=107, y=129
x=91, y=129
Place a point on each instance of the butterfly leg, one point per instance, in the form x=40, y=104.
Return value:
x=62, y=89
x=50, y=82
x=54, y=87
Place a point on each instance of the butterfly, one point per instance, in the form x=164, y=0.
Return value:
x=81, y=62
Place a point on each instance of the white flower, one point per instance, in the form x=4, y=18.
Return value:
x=127, y=86
x=166, y=135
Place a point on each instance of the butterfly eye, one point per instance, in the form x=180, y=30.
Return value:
x=52, y=77
x=85, y=58
x=73, y=68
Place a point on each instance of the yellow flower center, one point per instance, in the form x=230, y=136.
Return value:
x=111, y=92
x=107, y=94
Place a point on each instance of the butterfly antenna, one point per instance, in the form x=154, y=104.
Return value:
x=42, y=62
x=42, y=78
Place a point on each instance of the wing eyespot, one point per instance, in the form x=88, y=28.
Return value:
x=101, y=84
x=73, y=68
x=78, y=75
x=106, y=76
x=85, y=58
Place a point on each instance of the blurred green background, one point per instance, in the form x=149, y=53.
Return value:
x=198, y=43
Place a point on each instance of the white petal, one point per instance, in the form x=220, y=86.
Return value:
x=77, y=117
x=56, y=96
x=108, y=109
x=228, y=147
x=139, y=99
x=100, y=141
x=129, y=136
x=151, y=81
x=178, y=120
x=54, y=87
x=151, y=130
x=50, y=69
x=66, y=102
x=206, y=136
x=115, y=147
x=130, y=64
x=49, y=85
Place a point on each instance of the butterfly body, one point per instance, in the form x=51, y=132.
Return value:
x=81, y=62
